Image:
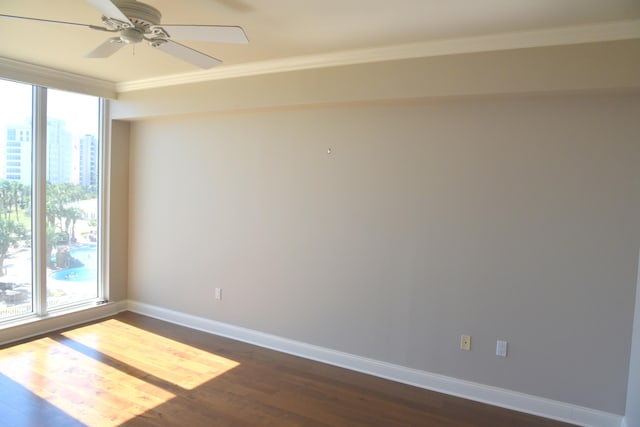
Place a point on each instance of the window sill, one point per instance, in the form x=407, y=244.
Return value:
x=28, y=327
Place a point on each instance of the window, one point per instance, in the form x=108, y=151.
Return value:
x=50, y=191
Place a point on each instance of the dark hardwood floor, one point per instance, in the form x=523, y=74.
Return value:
x=138, y=371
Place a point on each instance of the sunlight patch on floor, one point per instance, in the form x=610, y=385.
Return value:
x=83, y=387
x=164, y=358
x=110, y=372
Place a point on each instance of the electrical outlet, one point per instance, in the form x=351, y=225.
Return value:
x=501, y=348
x=218, y=293
x=465, y=342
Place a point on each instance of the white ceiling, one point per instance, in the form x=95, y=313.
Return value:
x=307, y=33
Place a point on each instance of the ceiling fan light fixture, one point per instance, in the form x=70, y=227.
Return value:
x=131, y=35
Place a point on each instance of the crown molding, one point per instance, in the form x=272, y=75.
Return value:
x=618, y=30
x=24, y=72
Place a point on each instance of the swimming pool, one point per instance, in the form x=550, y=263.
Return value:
x=86, y=254
x=79, y=274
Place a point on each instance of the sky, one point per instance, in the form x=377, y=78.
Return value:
x=80, y=112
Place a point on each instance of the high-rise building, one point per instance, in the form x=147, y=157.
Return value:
x=18, y=153
x=88, y=166
x=59, y=152
x=66, y=162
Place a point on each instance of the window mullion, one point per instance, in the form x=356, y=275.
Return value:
x=104, y=197
x=39, y=180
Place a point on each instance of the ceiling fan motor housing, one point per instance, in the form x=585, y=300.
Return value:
x=140, y=14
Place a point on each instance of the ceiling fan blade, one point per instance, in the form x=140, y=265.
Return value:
x=106, y=49
x=187, y=54
x=110, y=10
x=50, y=21
x=207, y=33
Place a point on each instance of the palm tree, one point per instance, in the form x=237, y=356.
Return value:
x=17, y=189
x=5, y=197
x=10, y=233
x=52, y=238
x=74, y=214
x=58, y=195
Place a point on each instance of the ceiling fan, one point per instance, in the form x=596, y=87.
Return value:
x=136, y=22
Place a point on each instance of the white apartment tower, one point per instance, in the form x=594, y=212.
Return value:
x=59, y=153
x=17, y=148
x=65, y=163
x=88, y=161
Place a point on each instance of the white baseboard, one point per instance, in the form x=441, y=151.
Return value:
x=474, y=391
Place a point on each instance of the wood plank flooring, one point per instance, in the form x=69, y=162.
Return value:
x=137, y=371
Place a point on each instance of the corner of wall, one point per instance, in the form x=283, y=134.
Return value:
x=119, y=211
x=632, y=413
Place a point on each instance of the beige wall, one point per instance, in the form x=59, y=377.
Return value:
x=119, y=212
x=505, y=218
x=632, y=416
x=454, y=201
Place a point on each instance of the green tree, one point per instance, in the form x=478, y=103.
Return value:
x=71, y=216
x=58, y=197
x=17, y=190
x=5, y=198
x=61, y=214
x=11, y=233
x=52, y=239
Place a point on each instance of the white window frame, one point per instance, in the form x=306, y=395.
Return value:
x=40, y=312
